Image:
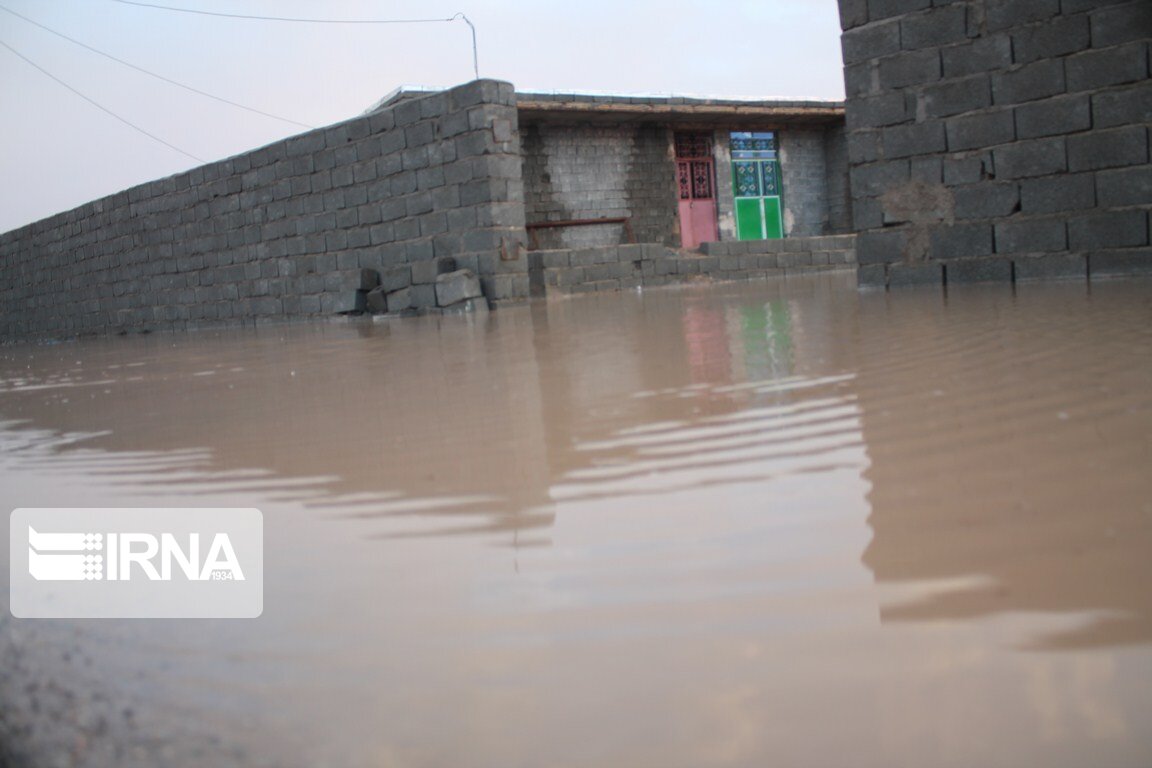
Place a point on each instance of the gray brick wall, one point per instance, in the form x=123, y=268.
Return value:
x=804, y=170
x=285, y=230
x=836, y=180
x=998, y=131
x=626, y=267
x=595, y=170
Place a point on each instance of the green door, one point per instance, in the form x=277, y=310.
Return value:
x=756, y=185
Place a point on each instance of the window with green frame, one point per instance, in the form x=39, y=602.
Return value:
x=756, y=185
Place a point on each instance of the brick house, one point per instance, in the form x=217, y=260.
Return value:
x=601, y=170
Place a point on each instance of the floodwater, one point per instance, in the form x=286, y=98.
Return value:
x=775, y=523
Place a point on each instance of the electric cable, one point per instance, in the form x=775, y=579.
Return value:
x=101, y=107
x=253, y=17
x=153, y=74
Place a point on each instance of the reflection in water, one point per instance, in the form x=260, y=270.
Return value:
x=1018, y=450
x=717, y=525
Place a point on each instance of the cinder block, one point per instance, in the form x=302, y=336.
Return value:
x=348, y=280
x=1060, y=35
x=400, y=300
x=1066, y=192
x=961, y=241
x=429, y=270
x=454, y=287
x=1054, y=116
x=1003, y=14
x=877, y=178
x=1038, y=80
x=1120, y=263
x=597, y=272
x=422, y=296
x=395, y=278
x=1121, y=23
x=881, y=246
x=1053, y=266
x=911, y=68
x=1122, y=107
x=985, y=54
x=968, y=169
x=884, y=9
x=978, y=271
x=1112, y=148
x=985, y=200
x=877, y=111
x=376, y=301
x=554, y=259
x=919, y=273
x=853, y=13
x=943, y=25
x=981, y=130
x=1034, y=157
x=1031, y=235
x=870, y=42
x=343, y=303
x=1108, y=229
x=957, y=96
x=1125, y=186
x=1112, y=66
x=795, y=259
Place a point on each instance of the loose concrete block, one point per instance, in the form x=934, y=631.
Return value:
x=423, y=296
x=424, y=272
x=400, y=300
x=454, y=287
x=344, y=303
x=377, y=300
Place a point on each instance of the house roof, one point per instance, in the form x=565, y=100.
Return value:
x=748, y=112
x=584, y=107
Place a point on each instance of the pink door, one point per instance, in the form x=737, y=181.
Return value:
x=695, y=174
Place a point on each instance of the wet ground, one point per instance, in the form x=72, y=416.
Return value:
x=775, y=523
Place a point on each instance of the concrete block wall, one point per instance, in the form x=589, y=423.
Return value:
x=623, y=267
x=839, y=193
x=998, y=139
x=804, y=173
x=295, y=228
x=598, y=170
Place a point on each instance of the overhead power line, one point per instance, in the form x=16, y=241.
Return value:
x=101, y=107
x=295, y=19
x=153, y=74
x=281, y=18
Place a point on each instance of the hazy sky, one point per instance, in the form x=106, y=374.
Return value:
x=58, y=151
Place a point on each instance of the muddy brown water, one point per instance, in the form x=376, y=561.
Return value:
x=777, y=523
